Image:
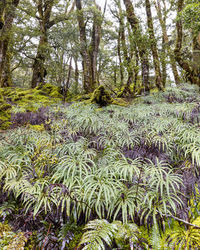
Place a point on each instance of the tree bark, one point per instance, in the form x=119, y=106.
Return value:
x=67, y=84
x=196, y=54
x=121, y=68
x=163, y=25
x=87, y=74
x=8, y=11
x=89, y=53
x=76, y=76
x=153, y=43
x=2, y=8
x=134, y=22
x=39, y=70
x=94, y=47
x=127, y=56
x=191, y=73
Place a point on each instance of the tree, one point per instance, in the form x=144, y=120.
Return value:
x=123, y=47
x=2, y=7
x=134, y=22
x=153, y=43
x=190, y=70
x=89, y=52
x=7, y=12
x=44, y=10
x=162, y=20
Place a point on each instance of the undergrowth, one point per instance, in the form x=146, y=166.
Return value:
x=128, y=173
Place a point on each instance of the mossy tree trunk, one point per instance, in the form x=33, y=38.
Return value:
x=44, y=10
x=134, y=22
x=153, y=43
x=95, y=42
x=121, y=67
x=162, y=20
x=76, y=75
x=86, y=63
x=8, y=14
x=89, y=52
x=128, y=57
x=196, y=53
x=2, y=8
x=191, y=73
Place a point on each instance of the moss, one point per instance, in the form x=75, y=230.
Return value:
x=27, y=99
x=1, y=98
x=55, y=94
x=37, y=127
x=101, y=96
x=5, y=107
x=5, y=114
x=51, y=90
x=82, y=97
x=120, y=102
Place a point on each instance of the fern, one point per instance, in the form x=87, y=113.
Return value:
x=99, y=231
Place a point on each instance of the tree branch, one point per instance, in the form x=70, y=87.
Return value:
x=61, y=19
x=185, y=222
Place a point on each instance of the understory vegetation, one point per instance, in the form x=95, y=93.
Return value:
x=83, y=176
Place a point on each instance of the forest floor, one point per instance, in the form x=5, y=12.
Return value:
x=63, y=165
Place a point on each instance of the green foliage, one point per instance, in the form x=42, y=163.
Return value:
x=189, y=238
x=190, y=15
x=98, y=232
x=111, y=163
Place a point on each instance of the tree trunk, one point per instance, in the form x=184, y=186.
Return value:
x=164, y=62
x=39, y=70
x=121, y=68
x=2, y=8
x=89, y=53
x=163, y=25
x=94, y=47
x=153, y=43
x=67, y=84
x=127, y=57
x=196, y=54
x=44, y=8
x=138, y=34
x=8, y=11
x=76, y=76
x=191, y=73
x=87, y=74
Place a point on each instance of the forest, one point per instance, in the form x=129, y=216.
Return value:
x=99, y=124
